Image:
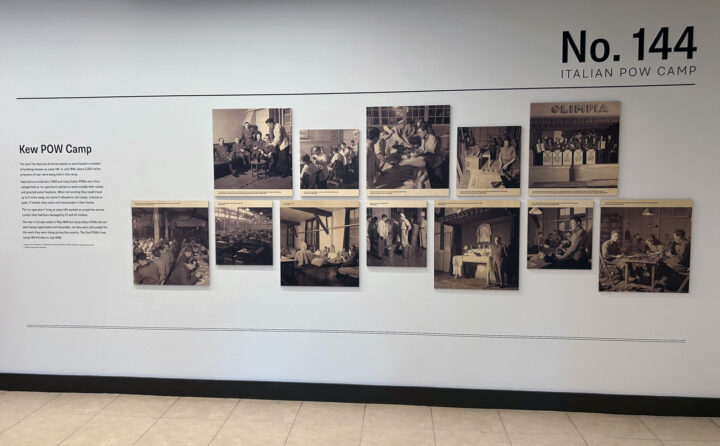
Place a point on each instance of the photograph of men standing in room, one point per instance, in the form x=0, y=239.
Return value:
x=560, y=237
x=488, y=160
x=243, y=234
x=319, y=244
x=408, y=147
x=329, y=161
x=574, y=146
x=645, y=249
x=477, y=247
x=252, y=148
x=396, y=236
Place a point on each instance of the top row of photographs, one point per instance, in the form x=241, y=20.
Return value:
x=573, y=151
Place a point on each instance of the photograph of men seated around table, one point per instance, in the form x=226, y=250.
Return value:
x=488, y=161
x=645, y=245
x=329, y=162
x=170, y=242
x=408, y=150
x=243, y=233
x=252, y=151
x=477, y=244
x=319, y=243
x=559, y=234
x=397, y=236
x=574, y=148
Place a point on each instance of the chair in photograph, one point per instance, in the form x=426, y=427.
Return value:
x=336, y=176
x=259, y=168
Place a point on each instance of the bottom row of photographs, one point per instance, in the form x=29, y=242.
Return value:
x=644, y=244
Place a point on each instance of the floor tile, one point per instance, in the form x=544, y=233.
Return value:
x=265, y=411
x=8, y=419
x=330, y=414
x=388, y=436
x=252, y=434
x=607, y=425
x=77, y=404
x=452, y=418
x=537, y=422
x=42, y=429
x=682, y=428
x=139, y=406
x=400, y=417
x=202, y=408
x=180, y=432
x=470, y=438
x=524, y=439
x=24, y=402
x=110, y=431
x=324, y=435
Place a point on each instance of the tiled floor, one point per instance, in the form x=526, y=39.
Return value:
x=38, y=419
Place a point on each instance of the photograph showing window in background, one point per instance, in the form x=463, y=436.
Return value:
x=574, y=148
x=243, y=233
x=319, y=243
x=488, y=161
x=329, y=162
x=477, y=244
x=252, y=151
x=645, y=245
x=408, y=150
x=559, y=234
x=170, y=242
x=397, y=233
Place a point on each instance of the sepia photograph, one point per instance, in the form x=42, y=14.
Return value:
x=645, y=245
x=559, y=234
x=170, y=243
x=488, y=161
x=252, y=151
x=319, y=243
x=477, y=244
x=574, y=148
x=329, y=163
x=243, y=233
x=397, y=233
x=408, y=150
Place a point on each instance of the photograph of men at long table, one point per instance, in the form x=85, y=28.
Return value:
x=319, y=243
x=488, y=161
x=397, y=233
x=408, y=150
x=559, y=234
x=329, y=163
x=645, y=245
x=252, y=150
x=243, y=232
x=477, y=244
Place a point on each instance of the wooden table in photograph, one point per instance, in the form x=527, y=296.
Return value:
x=653, y=262
x=478, y=260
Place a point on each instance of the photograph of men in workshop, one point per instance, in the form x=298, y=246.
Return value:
x=329, y=163
x=488, y=160
x=559, y=234
x=397, y=236
x=477, y=244
x=252, y=149
x=408, y=149
x=645, y=245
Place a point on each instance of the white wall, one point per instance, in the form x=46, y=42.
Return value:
x=157, y=148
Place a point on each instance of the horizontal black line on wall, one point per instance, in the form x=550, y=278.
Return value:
x=357, y=332
x=338, y=93
x=350, y=393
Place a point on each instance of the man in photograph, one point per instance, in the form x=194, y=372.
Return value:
x=147, y=272
x=498, y=253
x=281, y=143
x=430, y=148
x=382, y=229
x=247, y=136
x=575, y=256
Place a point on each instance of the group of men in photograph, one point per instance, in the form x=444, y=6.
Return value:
x=604, y=146
x=272, y=150
x=317, y=170
x=169, y=262
x=389, y=236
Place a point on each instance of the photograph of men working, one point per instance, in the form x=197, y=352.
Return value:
x=329, y=160
x=408, y=148
x=319, y=243
x=488, y=160
x=397, y=236
x=252, y=148
x=560, y=237
x=645, y=249
x=243, y=233
x=477, y=247
x=170, y=245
